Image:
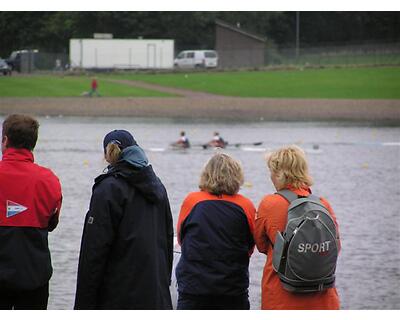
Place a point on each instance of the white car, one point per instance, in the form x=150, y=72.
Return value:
x=196, y=59
x=4, y=68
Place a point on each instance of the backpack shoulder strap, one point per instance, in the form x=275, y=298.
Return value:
x=314, y=197
x=288, y=195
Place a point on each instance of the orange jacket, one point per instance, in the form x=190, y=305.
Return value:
x=272, y=217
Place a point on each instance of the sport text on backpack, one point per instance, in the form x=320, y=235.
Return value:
x=305, y=255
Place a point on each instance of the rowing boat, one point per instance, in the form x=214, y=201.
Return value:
x=240, y=145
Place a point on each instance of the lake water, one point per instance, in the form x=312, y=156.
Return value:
x=351, y=167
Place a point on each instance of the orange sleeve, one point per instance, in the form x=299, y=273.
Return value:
x=262, y=225
x=184, y=212
x=260, y=237
x=190, y=201
x=250, y=212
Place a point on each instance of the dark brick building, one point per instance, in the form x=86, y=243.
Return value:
x=238, y=48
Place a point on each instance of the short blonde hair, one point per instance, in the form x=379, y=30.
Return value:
x=113, y=153
x=222, y=175
x=289, y=166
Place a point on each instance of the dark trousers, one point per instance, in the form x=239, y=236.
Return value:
x=212, y=302
x=24, y=300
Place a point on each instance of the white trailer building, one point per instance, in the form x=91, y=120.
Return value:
x=121, y=54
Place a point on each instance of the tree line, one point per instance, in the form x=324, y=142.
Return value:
x=51, y=31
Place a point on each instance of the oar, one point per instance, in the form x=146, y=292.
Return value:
x=237, y=145
x=206, y=145
x=202, y=145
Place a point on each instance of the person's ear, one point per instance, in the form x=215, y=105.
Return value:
x=4, y=143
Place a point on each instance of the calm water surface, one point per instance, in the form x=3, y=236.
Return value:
x=351, y=168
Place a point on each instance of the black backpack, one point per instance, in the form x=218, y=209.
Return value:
x=305, y=255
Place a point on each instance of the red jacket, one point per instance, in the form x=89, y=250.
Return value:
x=272, y=217
x=30, y=202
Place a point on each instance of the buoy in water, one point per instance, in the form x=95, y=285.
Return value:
x=248, y=184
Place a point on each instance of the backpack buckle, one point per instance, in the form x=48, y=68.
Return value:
x=320, y=287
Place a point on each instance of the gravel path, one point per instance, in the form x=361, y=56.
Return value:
x=190, y=104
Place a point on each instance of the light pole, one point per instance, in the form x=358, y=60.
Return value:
x=297, y=34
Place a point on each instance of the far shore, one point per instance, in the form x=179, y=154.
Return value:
x=210, y=107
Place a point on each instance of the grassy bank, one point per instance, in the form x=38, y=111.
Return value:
x=56, y=86
x=345, y=83
x=334, y=83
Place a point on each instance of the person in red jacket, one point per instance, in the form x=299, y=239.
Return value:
x=289, y=170
x=30, y=202
x=93, y=88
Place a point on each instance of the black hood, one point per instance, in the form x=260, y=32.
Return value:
x=144, y=180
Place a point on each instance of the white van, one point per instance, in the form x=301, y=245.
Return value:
x=196, y=59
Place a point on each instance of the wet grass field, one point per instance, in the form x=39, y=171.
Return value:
x=67, y=86
x=327, y=83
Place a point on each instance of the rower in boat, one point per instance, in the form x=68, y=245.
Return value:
x=183, y=142
x=217, y=142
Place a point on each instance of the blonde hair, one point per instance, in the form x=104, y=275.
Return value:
x=113, y=153
x=222, y=175
x=289, y=167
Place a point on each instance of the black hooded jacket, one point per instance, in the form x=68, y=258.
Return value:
x=127, y=244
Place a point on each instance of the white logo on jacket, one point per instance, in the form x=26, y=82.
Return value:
x=14, y=208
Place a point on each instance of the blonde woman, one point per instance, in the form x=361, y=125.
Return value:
x=289, y=171
x=127, y=244
x=215, y=231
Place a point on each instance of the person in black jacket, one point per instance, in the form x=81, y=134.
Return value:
x=215, y=230
x=127, y=244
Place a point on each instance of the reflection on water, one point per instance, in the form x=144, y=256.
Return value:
x=350, y=166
